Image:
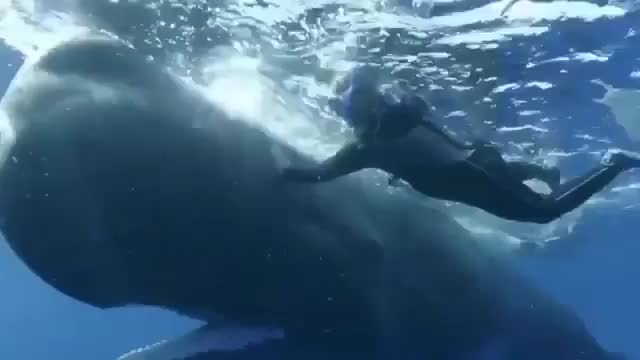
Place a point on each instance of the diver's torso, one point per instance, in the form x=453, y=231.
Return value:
x=420, y=150
x=425, y=160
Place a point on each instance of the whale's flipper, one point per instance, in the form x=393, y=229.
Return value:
x=208, y=339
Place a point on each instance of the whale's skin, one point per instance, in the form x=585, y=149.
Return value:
x=122, y=185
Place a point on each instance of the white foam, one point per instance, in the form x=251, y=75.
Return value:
x=475, y=37
x=523, y=127
x=540, y=85
x=556, y=10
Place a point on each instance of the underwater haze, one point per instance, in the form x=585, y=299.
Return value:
x=555, y=82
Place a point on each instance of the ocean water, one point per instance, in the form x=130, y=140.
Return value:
x=552, y=82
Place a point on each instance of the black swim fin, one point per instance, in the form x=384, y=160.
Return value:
x=508, y=7
x=626, y=159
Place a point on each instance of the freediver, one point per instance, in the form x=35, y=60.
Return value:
x=397, y=135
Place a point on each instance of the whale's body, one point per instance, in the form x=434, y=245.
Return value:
x=121, y=185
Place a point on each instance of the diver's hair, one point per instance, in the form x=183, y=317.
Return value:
x=364, y=75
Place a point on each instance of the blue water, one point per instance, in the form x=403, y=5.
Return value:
x=595, y=272
x=595, y=269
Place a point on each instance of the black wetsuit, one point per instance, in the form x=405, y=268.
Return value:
x=478, y=176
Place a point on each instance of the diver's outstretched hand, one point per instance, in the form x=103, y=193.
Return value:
x=282, y=163
x=394, y=181
x=280, y=158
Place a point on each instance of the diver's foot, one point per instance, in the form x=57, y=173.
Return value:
x=623, y=158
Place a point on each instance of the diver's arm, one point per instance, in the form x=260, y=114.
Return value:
x=347, y=160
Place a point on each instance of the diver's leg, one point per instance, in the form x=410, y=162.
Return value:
x=498, y=192
x=483, y=181
x=577, y=191
x=349, y=159
x=523, y=171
